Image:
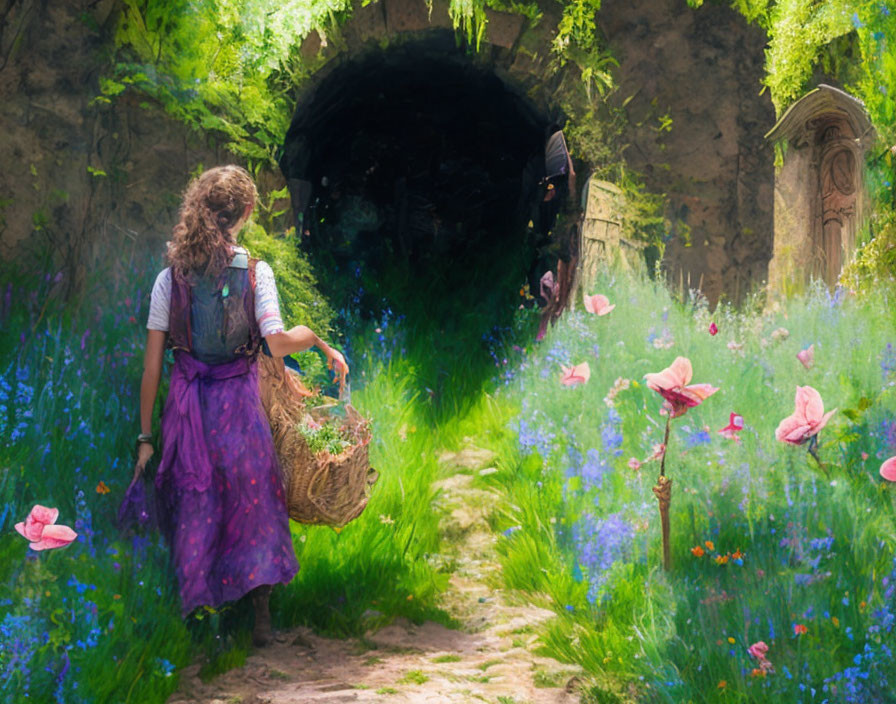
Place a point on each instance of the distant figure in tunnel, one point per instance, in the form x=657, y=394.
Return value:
x=219, y=486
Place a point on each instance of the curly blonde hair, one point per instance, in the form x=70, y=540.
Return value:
x=213, y=203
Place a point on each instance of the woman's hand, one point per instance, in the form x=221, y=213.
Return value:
x=336, y=362
x=144, y=452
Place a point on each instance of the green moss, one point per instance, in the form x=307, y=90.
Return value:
x=414, y=677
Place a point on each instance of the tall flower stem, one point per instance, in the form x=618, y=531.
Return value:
x=665, y=445
x=813, y=450
x=663, y=493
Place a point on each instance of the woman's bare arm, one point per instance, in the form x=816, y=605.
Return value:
x=152, y=374
x=298, y=339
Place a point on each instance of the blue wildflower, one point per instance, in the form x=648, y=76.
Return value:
x=601, y=542
x=696, y=438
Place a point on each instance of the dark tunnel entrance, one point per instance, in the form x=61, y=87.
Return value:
x=419, y=177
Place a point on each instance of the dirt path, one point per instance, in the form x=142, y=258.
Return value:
x=488, y=660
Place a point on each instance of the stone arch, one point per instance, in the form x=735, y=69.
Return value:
x=510, y=70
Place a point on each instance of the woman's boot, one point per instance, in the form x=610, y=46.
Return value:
x=261, y=634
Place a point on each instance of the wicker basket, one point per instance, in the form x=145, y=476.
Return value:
x=320, y=488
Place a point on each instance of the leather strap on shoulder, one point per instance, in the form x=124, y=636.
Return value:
x=252, y=263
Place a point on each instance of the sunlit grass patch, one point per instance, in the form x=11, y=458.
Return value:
x=749, y=520
x=446, y=658
x=414, y=677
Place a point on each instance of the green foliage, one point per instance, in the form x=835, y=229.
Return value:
x=875, y=264
x=799, y=30
x=214, y=65
x=300, y=303
x=577, y=25
x=327, y=436
x=414, y=677
x=469, y=17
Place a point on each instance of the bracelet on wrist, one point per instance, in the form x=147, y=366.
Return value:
x=144, y=438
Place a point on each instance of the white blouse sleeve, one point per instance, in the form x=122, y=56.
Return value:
x=160, y=301
x=267, y=305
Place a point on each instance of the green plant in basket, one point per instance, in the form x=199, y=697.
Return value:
x=327, y=435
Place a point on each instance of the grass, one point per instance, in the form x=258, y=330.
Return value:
x=545, y=679
x=804, y=549
x=810, y=564
x=414, y=677
x=488, y=663
x=446, y=658
x=103, y=613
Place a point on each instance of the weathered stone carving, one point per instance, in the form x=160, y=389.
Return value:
x=819, y=191
x=603, y=239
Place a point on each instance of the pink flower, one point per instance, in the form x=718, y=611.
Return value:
x=658, y=451
x=735, y=425
x=807, y=356
x=888, y=469
x=578, y=374
x=808, y=418
x=758, y=650
x=39, y=529
x=865, y=456
x=672, y=385
x=634, y=464
x=598, y=304
x=713, y=329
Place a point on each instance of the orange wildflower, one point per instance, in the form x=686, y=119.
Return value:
x=737, y=555
x=710, y=545
x=758, y=672
x=697, y=551
x=721, y=559
x=799, y=629
x=722, y=684
x=101, y=488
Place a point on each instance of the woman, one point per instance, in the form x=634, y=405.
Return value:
x=219, y=486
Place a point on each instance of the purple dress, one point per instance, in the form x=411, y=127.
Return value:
x=219, y=485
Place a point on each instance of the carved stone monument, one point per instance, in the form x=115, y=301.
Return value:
x=603, y=237
x=820, y=198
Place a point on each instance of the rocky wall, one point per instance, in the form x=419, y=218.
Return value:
x=90, y=178
x=97, y=183
x=703, y=68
